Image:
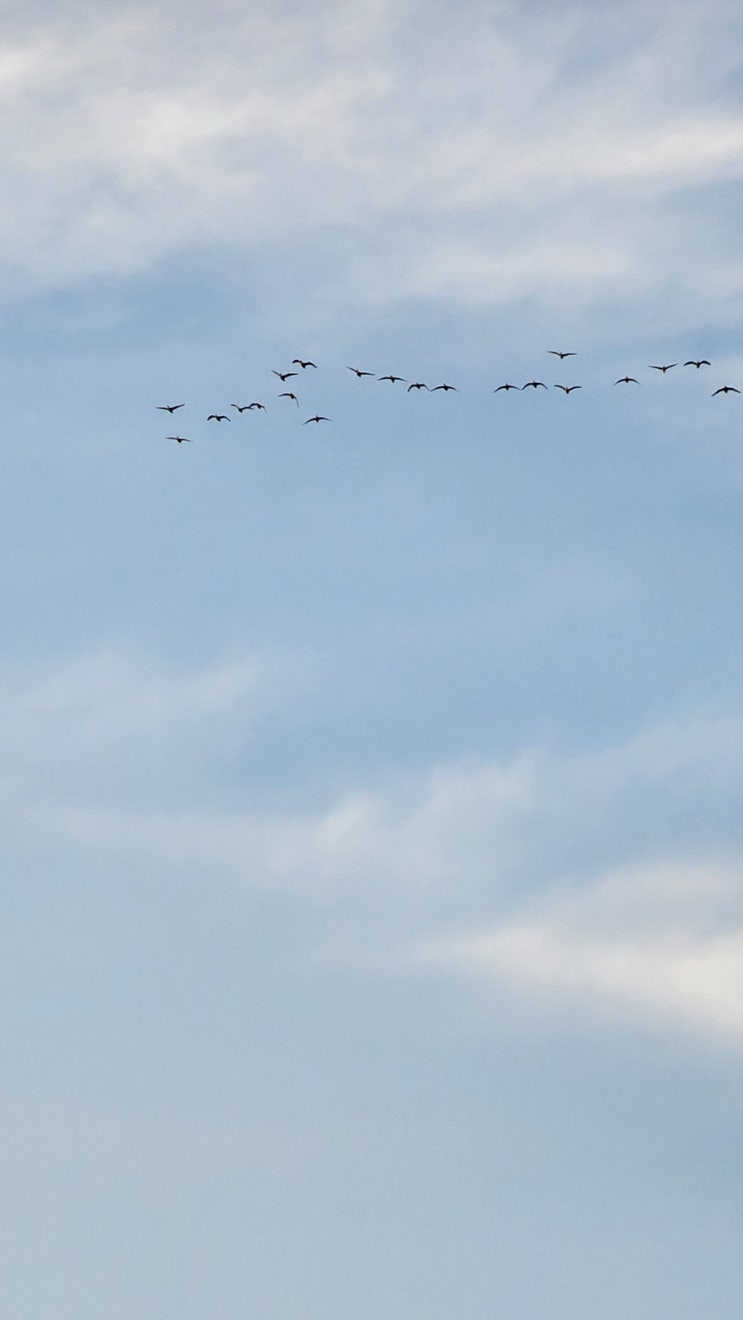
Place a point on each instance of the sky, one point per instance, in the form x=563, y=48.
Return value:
x=372, y=918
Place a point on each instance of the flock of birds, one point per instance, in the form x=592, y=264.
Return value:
x=304, y=364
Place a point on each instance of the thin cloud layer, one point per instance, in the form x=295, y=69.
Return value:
x=115, y=764
x=501, y=155
x=661, y=944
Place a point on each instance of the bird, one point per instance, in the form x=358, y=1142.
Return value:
x=241, y=408
x=534, y=384
x=297, y=362
x=283, y=375
x=358, y=373
x=663, y=369
x=288, y=395
x=507, y=386
x=393, y=379
x=444, y=387
x=626, y=380
x=317, y=418
x=725, y=389
x=262, y=406
x=567, y=389
x=701, y=362
x=169, y=407
x=417, y=385
x=556, y=353
x=218, y=417
x=182, y=439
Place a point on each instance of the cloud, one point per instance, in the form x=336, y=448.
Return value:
x=607, y=876
x=495, y=153
x=663, y=943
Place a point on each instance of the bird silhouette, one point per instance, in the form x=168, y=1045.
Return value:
x=393, y=379
x=568, y=389
x=556, y=353
x=358, y=373
x=698, y=362
x=417, y=385
x=262, y=406
x=626, y=380
x=241, y=407
x=288, y=395
x=218, y=417
x=663, y=369
x=507, y=386
x=444, y=387
x=297, y=362
x=534, y=383
x=169, y=407
x=182, y=439
x=725, y=389
x=317, y=418
x=284, y=375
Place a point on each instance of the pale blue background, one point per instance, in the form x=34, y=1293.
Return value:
x=371, y=935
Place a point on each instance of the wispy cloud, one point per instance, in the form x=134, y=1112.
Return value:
x=606, y=875
x=661, y=943
x=503, y=153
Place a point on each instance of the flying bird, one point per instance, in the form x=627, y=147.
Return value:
x=567, y=389
x=169, y=407
x=241, y=408
x=417, y=385
x=297, y=362
x=507, y=386
x=358, y=373
x=444, y=387
x=393, y=379
x=534, y=383
x=218, y=417
x=284, y=375
x=556, y=353
x=701, y=362
x=663, y=369
x=725, y=389
x=627, y=380
x=288, y=395
x=262, y=406
x=182, y=439
x=317, y=418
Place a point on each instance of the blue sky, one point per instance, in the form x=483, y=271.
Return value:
x=372, y=921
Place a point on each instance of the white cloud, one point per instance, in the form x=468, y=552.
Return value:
x=606, y=876
x=499, y=152
x=662, y=943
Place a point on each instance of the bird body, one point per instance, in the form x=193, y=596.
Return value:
x=169, y=407
x=507, y=386
x=394, y=379
x=181, y=439
x=556, y=353
x=317, y=418
x=241, y=407
x=288, y=395
x=534, y=384
x=568, y=389
x=297, y=362
x=417, y=385
x=283, y=375
x=444, y=387
x=218, y=417
x=359, y=374
x=725, y=389
x=663, y=369
x=262, y=406
x=626, y=380
x=698, y=362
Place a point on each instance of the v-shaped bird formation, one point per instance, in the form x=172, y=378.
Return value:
x=415, y=387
